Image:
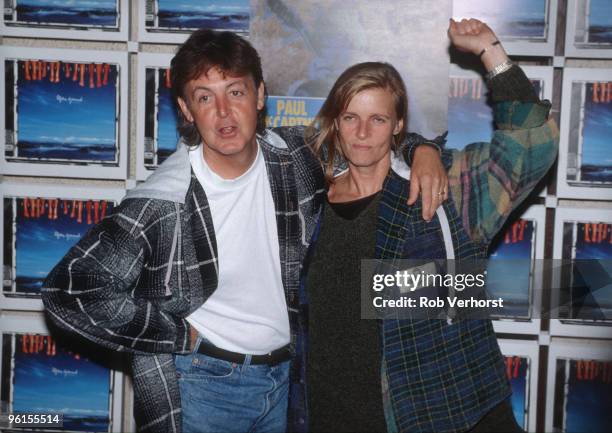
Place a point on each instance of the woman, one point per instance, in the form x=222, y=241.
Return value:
x=436, y=376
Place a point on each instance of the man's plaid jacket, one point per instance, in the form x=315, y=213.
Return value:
x=131, y=281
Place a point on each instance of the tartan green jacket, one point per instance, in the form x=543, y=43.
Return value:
x=440, y=377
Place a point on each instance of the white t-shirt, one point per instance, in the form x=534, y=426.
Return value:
x=247, y=313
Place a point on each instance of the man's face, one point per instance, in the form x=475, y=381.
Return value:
x=224, y=109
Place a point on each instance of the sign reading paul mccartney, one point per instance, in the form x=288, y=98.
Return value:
x=291, y=111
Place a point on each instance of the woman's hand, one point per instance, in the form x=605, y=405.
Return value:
x=474, y=36
x=427, y=175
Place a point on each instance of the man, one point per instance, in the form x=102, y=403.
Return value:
x=212, y=242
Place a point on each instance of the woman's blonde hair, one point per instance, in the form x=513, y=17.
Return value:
x=322, y=135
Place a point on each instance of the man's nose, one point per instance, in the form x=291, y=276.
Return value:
x=222, y=106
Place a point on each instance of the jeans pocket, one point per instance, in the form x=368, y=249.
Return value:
x=205, y=367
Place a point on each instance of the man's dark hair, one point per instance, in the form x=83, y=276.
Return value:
x=206, y=49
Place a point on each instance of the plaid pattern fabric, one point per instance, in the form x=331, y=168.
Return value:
x=442, y=377
x=488, y=180
x=131, y=281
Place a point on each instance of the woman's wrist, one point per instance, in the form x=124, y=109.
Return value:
x=493, y=56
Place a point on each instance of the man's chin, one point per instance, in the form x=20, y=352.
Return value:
x=230, y=149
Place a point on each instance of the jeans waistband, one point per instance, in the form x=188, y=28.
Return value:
x=273, y=358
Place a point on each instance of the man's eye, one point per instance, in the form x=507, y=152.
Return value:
x=237, y=93
x=203, y=98
x=379, y=120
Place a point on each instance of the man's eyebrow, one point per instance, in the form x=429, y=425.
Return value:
x=239, y=81
x=200, y=88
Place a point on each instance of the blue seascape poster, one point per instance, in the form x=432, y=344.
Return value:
x=208, y=14
x=517, y=371
x=87, y=13
x=509, y=269
x=589, y=396
x=67, y=112
x=49, y=379
x=44, y=230
x=596, y=162
x=592, y=301
x=600, y=22
x=470, y=118
x=511, y=19
x=291, y=110
x=167, y=135
x=470, y=115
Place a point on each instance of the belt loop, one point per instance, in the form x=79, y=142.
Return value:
x=197, y=345
x=247, y=362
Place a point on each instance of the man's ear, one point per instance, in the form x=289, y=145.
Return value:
x=261, y=96
x=184, y=109
x=398, y=127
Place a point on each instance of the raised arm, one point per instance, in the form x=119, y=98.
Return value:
x=488, y=180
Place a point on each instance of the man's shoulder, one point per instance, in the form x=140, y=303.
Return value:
x=170, y=181
x=287, y=137
x=289, y=141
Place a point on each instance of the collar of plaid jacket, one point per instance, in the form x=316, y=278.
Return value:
x=172, y=179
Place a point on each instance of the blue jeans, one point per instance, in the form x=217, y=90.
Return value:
x=221, y=396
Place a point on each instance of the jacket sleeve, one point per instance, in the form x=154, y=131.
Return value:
x=92, y=291
x=488, y=180
x=413, y=141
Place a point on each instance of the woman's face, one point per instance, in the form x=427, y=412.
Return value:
x=367, y=127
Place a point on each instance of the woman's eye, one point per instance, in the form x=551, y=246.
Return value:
x=203, y=98
x=347, y=118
